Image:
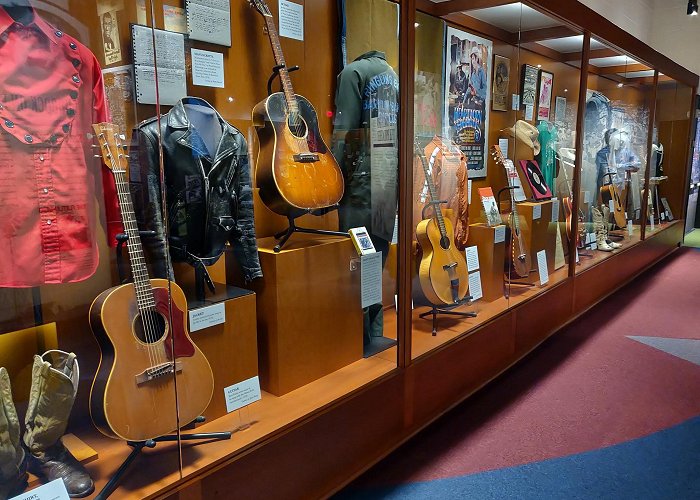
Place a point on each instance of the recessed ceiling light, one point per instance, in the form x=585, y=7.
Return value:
x=566, y=90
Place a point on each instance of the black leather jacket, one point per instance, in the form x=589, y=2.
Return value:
x=210, y=201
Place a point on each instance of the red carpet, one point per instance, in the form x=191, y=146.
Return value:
x=587, y=387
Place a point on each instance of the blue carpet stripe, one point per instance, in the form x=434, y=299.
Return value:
x=663, y=465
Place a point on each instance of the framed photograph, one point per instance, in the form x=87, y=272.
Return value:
x=528, y=85
x=501, y=77
x=544, y=100
x=467, y=95
x=560, y=109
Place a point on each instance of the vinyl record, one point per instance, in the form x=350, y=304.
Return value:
x=533, y=175
x=536, y=179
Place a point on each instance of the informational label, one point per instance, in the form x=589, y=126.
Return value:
x=469, y=191
x=291, y=20
x=499, y=235
x=503, y=144
x=475, y=286
x=242, y=394
x=170, y=54
x=174, y=19
x=141, y=12
x=204, y=317
x=560, y=109
x=536, y=211
x=577, y=255
x=662, y=216
x=542, y=267
x=611, y=206
x=472, y=258
x=669, y=214
x=395, y=234
x=209, y=21
x=515, y=102
x=529, y=112
x=207, y=68
x=55, y=490
x=371, y=278
x=555, y=210
x=651, y=219
x=629, y=227
x=594, y=243
x=587, y=197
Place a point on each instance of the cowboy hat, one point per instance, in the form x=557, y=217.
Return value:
x=525, y=132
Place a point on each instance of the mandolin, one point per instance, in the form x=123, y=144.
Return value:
x=143, y=347
x=295, y=170
x=443, y=269
x=520, y=260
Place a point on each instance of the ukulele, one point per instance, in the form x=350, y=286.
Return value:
x=143, y=347
x=295, y=170
x=520, y=260
x=443, y=269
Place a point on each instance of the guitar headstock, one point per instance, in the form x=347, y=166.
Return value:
x=112, y=147
x=498, y=154
x=261, y=7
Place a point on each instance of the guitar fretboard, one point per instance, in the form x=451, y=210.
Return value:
x=289, y=95
x=432, y=191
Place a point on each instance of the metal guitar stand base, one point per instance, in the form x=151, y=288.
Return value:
x=138, y=447
x=436, y=311
x=283, y=236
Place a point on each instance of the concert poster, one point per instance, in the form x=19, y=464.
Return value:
x=468, y=93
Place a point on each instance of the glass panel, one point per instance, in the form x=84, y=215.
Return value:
x=479, y=133
x=67, y=106
x=669, y=154
x=615, y=151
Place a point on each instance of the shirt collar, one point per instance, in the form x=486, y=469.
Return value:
x=6, y=21
x=372, y=53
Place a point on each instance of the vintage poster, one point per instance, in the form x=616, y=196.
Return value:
x=468, y=92
x=501, y=77
x=108, y=10
x=544, y=102
x=529, y=85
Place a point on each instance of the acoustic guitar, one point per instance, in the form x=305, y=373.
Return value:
x=618, y=195
x=295, y=170
x=141, y=328
x=520, y=261
x=567, y=204
x=443, y=270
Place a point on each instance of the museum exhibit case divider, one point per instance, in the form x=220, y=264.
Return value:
x=462, y=143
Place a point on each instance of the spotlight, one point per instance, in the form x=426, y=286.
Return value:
x=692, y=8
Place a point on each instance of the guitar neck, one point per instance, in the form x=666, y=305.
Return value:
x=142, y=282
x=289, y=95
x=433, y=195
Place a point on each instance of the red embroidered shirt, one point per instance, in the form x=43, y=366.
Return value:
x=51, y=92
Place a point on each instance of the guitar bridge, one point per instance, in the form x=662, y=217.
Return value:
x=158, y=371
x=306, y=158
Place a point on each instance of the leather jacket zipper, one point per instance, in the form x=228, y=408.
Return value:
x=206, y=199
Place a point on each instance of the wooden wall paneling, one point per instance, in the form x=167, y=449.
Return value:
x=451, y=373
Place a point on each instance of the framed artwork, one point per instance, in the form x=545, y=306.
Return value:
x=544, y=100
x=467, y=95
x=528, y=85
x=560, y=109
x=501, y=77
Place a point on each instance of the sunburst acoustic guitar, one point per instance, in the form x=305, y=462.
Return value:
x=143, y=347
x=295, y=170
x=520, y=261
x=443, y=269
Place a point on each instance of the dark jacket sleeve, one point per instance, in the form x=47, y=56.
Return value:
x=348, y=114
x=144, y=183
x=245, y=247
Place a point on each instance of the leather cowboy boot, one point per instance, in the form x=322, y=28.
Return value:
x=55, y=377
x=600, y=231
x=606, y=217
x=13, y=466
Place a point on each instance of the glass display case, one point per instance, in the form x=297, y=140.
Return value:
x=213, y=211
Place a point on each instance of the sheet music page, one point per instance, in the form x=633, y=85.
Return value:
x=170, y=50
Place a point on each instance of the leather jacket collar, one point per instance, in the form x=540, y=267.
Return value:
x=177, y=119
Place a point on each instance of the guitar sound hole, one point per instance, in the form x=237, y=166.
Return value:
x=150, y=328
x=297, y=126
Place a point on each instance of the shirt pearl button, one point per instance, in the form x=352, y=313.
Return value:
x=28, y=138
x=41, y=157
x=73, y=94
x=73, y=46
x=48, y=222
x=59, y=33
x=66, y=128
x=70, y=112
x=46, y=190
x=76, y=79
x=9, y=124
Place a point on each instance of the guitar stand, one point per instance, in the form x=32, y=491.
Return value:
x=283, y=236
x=436, y=311
x=276, y=73
x=138, y=447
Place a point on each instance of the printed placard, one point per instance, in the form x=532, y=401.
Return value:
x=529, y=112
x=371, y=279
x=555, y=210
x=536, y=212
x=499, y=235
x=611, y=205
x=472, y=258
x=542, y=267
x=55, y=490
x=503, y=144
x=629, y=228
x=291, y=16
x=469, y=191
x=242, y=394
x=515, y=102
x=651, y=219
x=587, y=197
x=204, y=317
x=207, y=68
x=475, y=286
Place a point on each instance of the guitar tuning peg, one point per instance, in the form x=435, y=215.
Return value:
x=97, y=156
